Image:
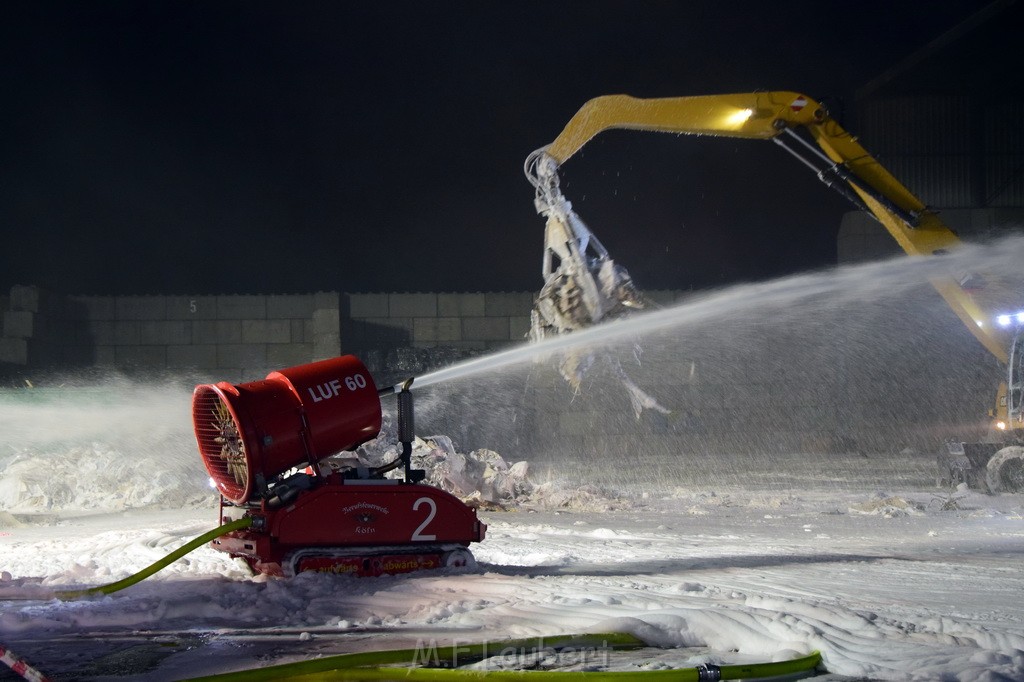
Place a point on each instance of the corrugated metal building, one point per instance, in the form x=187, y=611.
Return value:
x=947, y=122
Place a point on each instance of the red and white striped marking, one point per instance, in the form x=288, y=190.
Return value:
x=798, y=104
x=21, y=667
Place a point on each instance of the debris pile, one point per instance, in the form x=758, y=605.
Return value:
x=887, y=506
x=98, y=478
x=481, y=478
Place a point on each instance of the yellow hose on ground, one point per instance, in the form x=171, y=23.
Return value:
x=190, y=546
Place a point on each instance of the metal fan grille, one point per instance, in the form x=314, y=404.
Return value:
x=220, y=444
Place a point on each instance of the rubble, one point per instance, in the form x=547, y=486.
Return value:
x=482, y=478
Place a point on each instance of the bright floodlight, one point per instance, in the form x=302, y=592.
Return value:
x=739, y=117
x=1007, y=320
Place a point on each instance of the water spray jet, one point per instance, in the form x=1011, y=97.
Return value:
x=841, y=285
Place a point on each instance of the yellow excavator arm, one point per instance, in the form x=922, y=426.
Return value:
x=835, y=155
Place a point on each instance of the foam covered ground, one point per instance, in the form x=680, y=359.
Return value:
x=883, y=586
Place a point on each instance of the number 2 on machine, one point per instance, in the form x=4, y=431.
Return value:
x=417, y=535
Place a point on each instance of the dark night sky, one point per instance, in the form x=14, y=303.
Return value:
x=271, y=147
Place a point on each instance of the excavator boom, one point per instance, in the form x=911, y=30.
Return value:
x=803, y=127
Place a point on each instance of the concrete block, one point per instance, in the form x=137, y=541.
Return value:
x=683, y=295
x=100, y=332
x=506, y=304
x=149, y=357
x=76, y=355
x=308, y=331
x=326, y=321
x=205, y=331
x=546, y=421
x=90, y=307
x=105, y=355
x=140, y=307
x=436, y=329
x=811, y=417
x=881, y=246
x=468, y=345
x=326, y=345
x=26, y=298
x=367, y=305
x=241, y=307
x=518, y=328
x=297, y=330
x=164, y=332
x=850, y=248
x=191, y=307
x=42, y=355
x=485, y=329
x=710, y=396
x=14, y=351
x=239, y=355
x=192, y=357
x=217, y=331
x=498, y=345
x=253, y=374
x=281, y=355
x=126, y=333
x=412, y=305
x=790, y=393
x=446, y=329
x=860, y=238
x=228, y=331
x=460, y=305
x=230, y=375
x=75, y=333
x=289, y=307
x=662, y=297
x=326, y=299
x=23, y=324
x=579, y=423
x=404, y=325
x=266, y=331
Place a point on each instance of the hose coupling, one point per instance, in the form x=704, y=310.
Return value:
x=708, y=673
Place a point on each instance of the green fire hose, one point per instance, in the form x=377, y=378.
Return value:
x=192, y=545
x=375, y=666
x=22, y=668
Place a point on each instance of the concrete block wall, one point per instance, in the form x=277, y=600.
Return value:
x=238, y=337
x=30, y=327
x=794, y=387
x=466, y=321
x=231, y=337
x=471, y=322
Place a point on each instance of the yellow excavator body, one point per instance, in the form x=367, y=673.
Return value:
x=802, y=126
